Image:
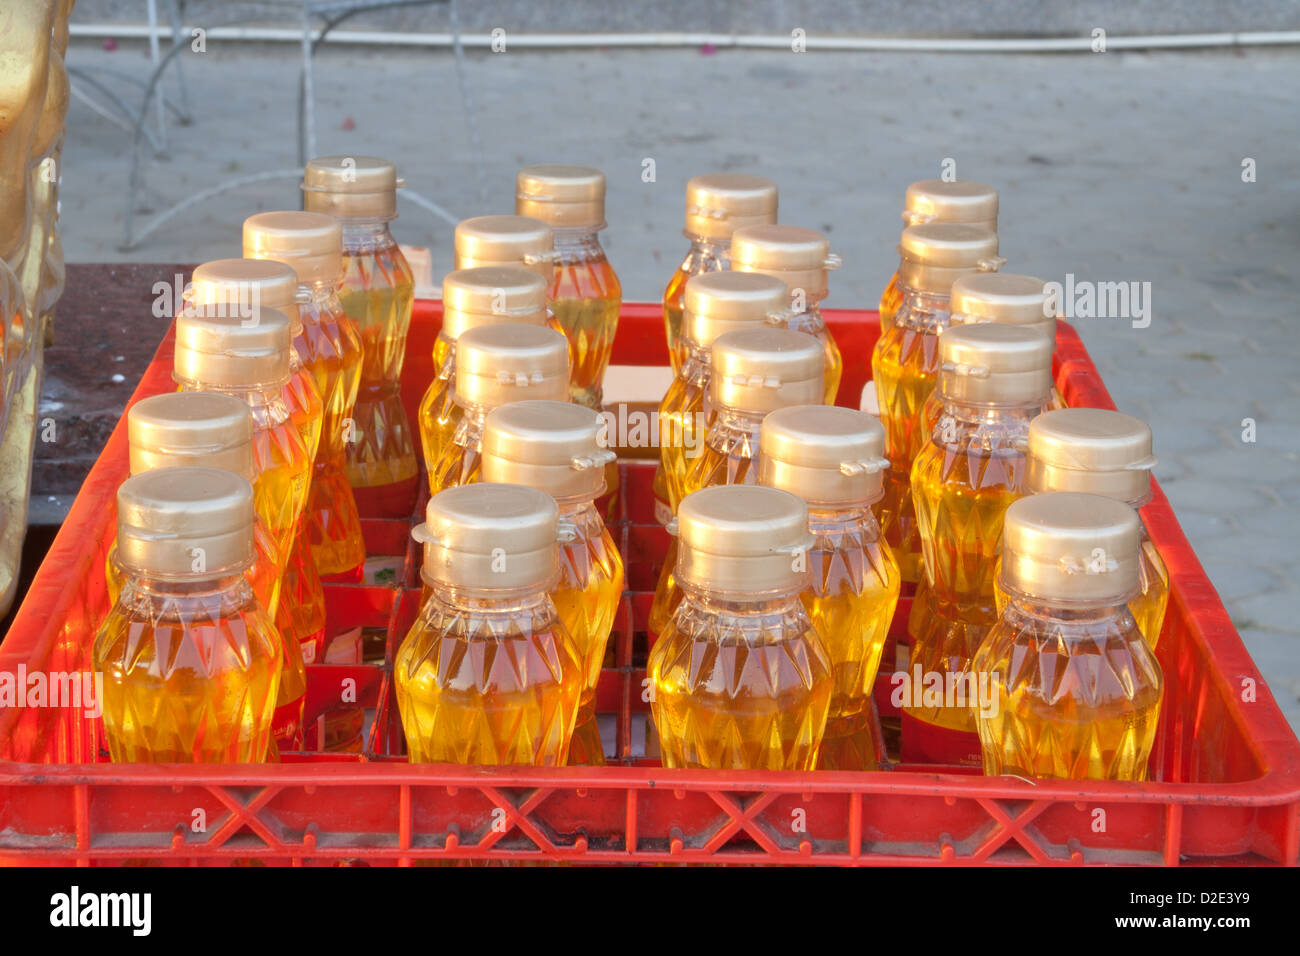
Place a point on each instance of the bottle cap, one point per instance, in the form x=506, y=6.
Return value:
x=719, y=302
x=180, y=429
x=506, y=241
x=1091, y=450
x=248, y=284
x=487, y=537
x=1002, y=297
x=798, y=257
x=991, y=364
x=311, y=242
x=552, y=446
x=498, y=364
x=937, y=254
x=351, y=187
x=185, y=523
x=1070, y=547
x=717, y=204
x=562, y=196
x=227, y=351
x=761, y=370
x=745, y=538
x=934, y=200
x=491, y=295
x=824, y=454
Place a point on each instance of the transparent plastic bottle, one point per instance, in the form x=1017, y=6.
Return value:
x=715, y=303
x=496, y=365
x=191, y=661
x=219, y=352
x=207, y=430
x=555, y=447
x=832, y=458
x=487, y=295
x=585, y=293
x=717, y=204
x=905, y=362
x=377, y=293
x=1100, y=452
x=488, y=674
x=935, y=200
x=1071, y=689
x=740, y=678
x=753, y=372
x=800, y=258
x=330, y=348
x=993, y=380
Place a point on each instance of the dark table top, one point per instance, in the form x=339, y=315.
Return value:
x=105, y=333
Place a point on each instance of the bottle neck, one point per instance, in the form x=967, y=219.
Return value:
x=320, y=291
x=506, y=600
x=365, y=231
x=263, y=400
x=923, y=311
x=1041, y=610
x=737, y=421
x=707, y=248
x=826, y=518
x=577, y=245
x=739, y=603
x=974, y=413
x=151, y=590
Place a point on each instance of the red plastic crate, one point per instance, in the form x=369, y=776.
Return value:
x=1225, y=772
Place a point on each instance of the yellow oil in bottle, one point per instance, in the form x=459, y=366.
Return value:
x=439, y=414
x=674, y=304
x=1074, y=689
x=377, y=294
x=812, y=323
x=460, y=459
x=890, y=302
x=681, y=424
x=585, y=297
x=191, y=662
x=740, y=678
x=487, y=674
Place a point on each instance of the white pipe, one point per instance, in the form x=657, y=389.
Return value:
x=721, y=40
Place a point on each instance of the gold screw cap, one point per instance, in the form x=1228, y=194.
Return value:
x=351, y=187
x=824, y=454
x=498, y=364
x=311, y=242
x=554, y=447
x=1091, y=450
x=742, y=538
x=761, y=370
x=717, y=204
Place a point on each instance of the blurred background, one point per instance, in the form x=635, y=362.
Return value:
x=1122, y=165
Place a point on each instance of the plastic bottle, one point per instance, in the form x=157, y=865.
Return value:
x=754, y=371
x=191, y=661
x=200, y=429
x=330, y=348
x=1072, y=690
x=219, y=352
x=993, y=380
x=717, y=204
x=252, y=284
x=740, y=678
x=801, y=258
x=832, y=458
x=555, y=447
x=497, y=365
x=1100, y=452
x=471, y=298
x=377, y=293
x=714, y=303
x=585, y=293
x=905, y=361
x=936, y=200
x=488, y=674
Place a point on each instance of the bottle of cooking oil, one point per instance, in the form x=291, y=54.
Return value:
x=1100, y=452
x=499, y=241
x=191, y=661
x=905, y=361
x=555, y=447
x=801, y=258
x=1073, y=689
x=832, y=458
x=488, y=674
x=717, y=204
x=585, y=293
x=740, y=678
x=497, y=365
x=935, y=200
x=248, y=358
x=993, y=380
x=377, y=293
x=714, y=303
x=330, y=348
x=200, y=429
x=753, y=372
x=487, y=295
x=1000, y=297
x=251, y=284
